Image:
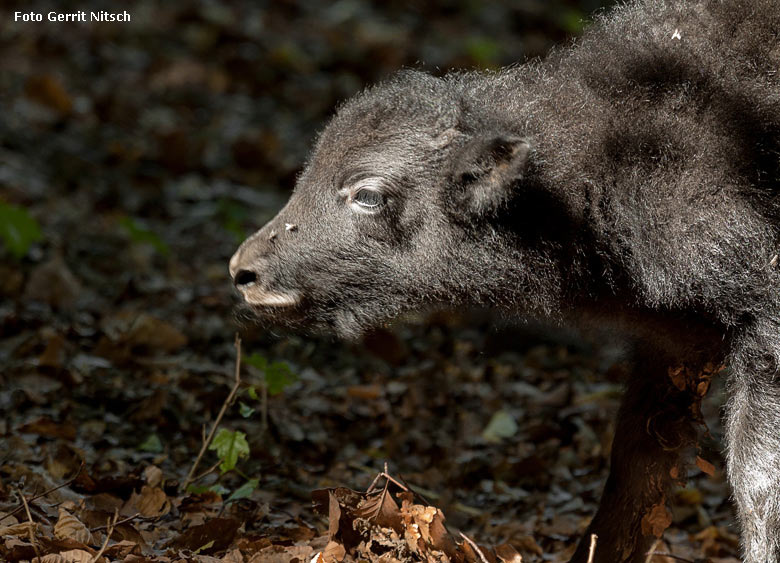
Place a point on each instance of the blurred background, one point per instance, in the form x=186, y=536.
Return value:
x=136, y=156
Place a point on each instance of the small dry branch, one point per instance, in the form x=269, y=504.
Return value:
x=119, y=523
x=592, y=550
x=225, y=405
x=475, y=547
x=31, y=529
x=110, y=526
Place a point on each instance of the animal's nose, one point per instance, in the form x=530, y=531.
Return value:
x=244, y=278
x=243, y=275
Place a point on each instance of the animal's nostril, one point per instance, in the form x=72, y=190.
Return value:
x=245, y=278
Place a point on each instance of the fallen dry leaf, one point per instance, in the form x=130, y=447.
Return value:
x=22, y=529
x=657, y=520
x=122, y=549
x=151, y=502
x=508, y=554
x=72, y=556
x=381, y=510
x=234, y=556
x=70, y=527
x=282, y=554
x=705, y=466
x=16, y=549
x=153, y=475
x=334, y=552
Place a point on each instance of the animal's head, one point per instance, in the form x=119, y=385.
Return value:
x=398, y=207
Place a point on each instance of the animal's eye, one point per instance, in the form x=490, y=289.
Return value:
x=365, y=195
x=367, y=198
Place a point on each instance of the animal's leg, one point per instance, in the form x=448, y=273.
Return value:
x=753, y=435
x=655, y=425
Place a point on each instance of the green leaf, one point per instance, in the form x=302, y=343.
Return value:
x=141, y=235
x=18, y=229
x=230, y=446
x=219, y=489
x=151, y=444
x=198, y=489
x=502, y=425
x=245, y=410
x=244, y=490
x=278, y=376
x=205, y=546
x=253, y=393
x=215, y=488
x=256, y=361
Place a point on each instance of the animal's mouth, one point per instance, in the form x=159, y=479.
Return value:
x=285, y=310
x=257, y=297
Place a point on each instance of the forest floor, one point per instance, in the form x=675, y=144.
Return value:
x=135, y=159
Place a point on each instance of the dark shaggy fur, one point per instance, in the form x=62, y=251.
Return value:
x=629, y=181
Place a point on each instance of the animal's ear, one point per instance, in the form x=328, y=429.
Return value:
x=485, y=172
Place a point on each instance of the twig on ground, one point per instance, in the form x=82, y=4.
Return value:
x=31, y=529
x=115, y=524
x=372, y=486
x=379, y=475
x=388, y=479
x=415, y=490
x=475, y=547
x=110, y=525
x=592, y=550
x=672, y=556
x=207, y=472
x=43, y=494
x=222, y=411
x=651, y=552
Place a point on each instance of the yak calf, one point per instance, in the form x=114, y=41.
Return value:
x=631, y=180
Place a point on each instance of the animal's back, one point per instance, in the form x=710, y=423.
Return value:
x=663, y=125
